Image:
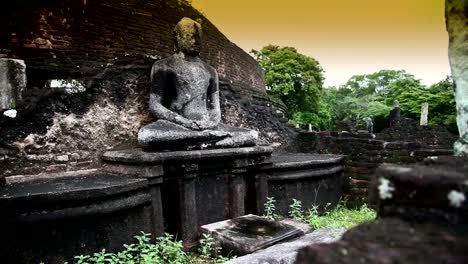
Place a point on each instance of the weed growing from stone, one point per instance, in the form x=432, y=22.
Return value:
x=209, y=252
x=295, y=210
x=270, y=209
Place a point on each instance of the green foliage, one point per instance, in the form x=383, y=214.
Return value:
x=166, y=250
x=295, y=210
x=270, y=209
x=372, y=95
x=208, y=247
x=297, y=80
x=341, y=216
x=209, y=252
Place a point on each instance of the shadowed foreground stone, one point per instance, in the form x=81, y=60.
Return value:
x=285, y=253
x=423, y=210
x=392, y=240
x=435, y=191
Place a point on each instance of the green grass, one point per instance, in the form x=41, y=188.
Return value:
x=341, y=216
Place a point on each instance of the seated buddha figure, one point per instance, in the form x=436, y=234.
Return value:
x=184, y=97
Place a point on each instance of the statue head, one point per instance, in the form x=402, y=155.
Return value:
x=187, y=34
x=396, y=103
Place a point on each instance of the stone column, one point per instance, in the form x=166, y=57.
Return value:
x=456, y=14
x=424, y=114
x=188, y=203
x=12, y=82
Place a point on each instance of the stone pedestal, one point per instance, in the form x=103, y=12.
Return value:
x=314, y=179
x=52, y=220
x=199, y=186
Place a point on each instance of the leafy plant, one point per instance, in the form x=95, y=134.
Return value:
x=295, y=210
x=270, y=209
x=166, y=250
x=208, y=247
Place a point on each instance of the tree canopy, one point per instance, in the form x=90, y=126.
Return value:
x=297, y=80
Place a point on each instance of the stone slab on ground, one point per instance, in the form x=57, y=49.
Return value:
x=306, y=228
x=286, y=252
x=249, y=233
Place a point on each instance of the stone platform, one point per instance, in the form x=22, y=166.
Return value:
x=53, y=219
x=198, y=186
x=314, y=179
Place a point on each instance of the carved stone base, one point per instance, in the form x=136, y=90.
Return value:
x=199, y=186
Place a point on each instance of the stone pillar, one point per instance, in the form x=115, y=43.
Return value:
x=424, y=114
x=12, y=82
x=456, y=20
x=188, y=203
x=310, y=127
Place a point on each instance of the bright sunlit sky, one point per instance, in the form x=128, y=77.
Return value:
x=347, y=37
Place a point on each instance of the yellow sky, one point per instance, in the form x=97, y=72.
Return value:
x=347, y=37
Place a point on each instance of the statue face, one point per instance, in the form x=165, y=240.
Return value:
x=188, y=37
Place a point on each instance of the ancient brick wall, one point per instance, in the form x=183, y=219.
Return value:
x=108, y=47
x=75, y=38
x=364, y=154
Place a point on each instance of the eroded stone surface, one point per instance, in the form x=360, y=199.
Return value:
x=456, y=21
x=424, y=192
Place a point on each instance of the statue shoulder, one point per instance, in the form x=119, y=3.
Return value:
x=165, y=64
x=212, y=70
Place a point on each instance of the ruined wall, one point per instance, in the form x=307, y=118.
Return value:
x=77, y=38
x=108, y=47
x=364, y=154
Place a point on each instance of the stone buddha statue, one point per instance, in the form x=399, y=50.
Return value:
x=184, y=97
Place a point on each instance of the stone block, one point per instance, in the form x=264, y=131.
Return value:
x=12, y=82
x=249, y=233
x=436, y=190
